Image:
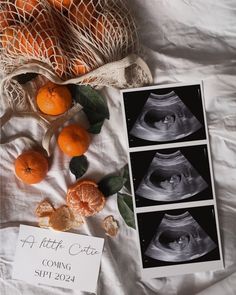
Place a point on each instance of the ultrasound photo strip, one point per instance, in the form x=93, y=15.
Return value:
x=172, y=179
x=165, y=118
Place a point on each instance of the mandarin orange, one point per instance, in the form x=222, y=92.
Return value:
x=53, y=99
x=28, y=8
x=104, y=26
x=73, y=140
x=85, y=198
x=82, y=13
x=31, y=167
x=9, y=39
x=79, y=68
x=60, y=4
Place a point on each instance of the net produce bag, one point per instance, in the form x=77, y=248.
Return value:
x=72, y=39
x=68, y=42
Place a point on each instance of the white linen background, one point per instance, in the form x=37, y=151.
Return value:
x=183, y=41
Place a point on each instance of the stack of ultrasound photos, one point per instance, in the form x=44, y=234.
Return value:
x=172, y=181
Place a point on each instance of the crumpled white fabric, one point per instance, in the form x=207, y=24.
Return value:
x=184, y=41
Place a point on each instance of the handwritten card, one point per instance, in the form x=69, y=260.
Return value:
x=57, y=258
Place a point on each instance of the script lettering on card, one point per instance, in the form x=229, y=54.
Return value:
x=57, y=258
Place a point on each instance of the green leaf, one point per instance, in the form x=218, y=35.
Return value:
x=110, y=185
x=24, y=78
x=125, y=206
x=78, y=166
x=94, y=105
x=125, y=174
x=93, y=101
x=96, y=128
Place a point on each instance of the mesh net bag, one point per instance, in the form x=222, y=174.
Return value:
x=72, y=39
x=92, y=42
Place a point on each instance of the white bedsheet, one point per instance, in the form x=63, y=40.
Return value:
x=184, y=41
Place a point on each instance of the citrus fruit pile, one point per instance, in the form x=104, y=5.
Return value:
x=50, y=31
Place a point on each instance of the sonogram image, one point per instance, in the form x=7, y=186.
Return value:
x=165, y=117
x=170, y=177
x=179, y=238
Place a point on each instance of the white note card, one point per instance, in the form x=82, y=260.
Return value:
x=59, y=259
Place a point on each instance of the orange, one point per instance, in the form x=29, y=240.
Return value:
x=53, y=99
x=9, y=39
x=31, y=167
x=27, y=42
x=73, y=140
x=85, y=198
x=7, y=16
x=7, y=36
x=79, y=68
x=104, y=26
x=60, y=4
x=4, y=20
x=82, y=13
x=28, y=8
x=58, y=61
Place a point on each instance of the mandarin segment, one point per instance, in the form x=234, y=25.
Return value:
x=43, y=222
x=73, y=140
x=62, y=219
x=31, y=167
x=110, y=225
x=44, y=208
x=53, y=99
x=85, y=198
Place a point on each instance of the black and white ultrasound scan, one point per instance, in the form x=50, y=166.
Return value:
x=165, y=118
x=173, y=175
x=170, y=177
x=158, y=116
x=178, y=236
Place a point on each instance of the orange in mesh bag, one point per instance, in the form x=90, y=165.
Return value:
x=27, y=9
